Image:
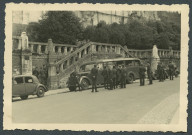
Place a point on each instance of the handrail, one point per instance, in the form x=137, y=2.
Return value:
x=73, y=53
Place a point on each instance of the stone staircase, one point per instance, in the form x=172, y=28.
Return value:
x=88, y=52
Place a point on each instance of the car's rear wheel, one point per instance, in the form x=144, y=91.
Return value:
x=24, y=97
x=130, y=79
x=84, y=84
x=40, y=92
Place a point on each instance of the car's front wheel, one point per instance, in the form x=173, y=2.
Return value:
x=40, y=92
x=84, y=84
x=24, y=97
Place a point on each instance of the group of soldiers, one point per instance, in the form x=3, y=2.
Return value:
x=41, y=74
x=113, y=77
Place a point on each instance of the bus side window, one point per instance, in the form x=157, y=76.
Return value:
x=129, y=63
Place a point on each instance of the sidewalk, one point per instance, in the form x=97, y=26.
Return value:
x=57, y=91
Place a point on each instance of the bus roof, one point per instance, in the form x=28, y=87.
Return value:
x=110, y=60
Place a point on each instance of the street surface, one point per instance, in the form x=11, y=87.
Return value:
x=148, y=104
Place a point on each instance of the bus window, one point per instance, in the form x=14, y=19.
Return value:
x=137, y=63
x=129, y=63
x=120, y=63
x=82, y=68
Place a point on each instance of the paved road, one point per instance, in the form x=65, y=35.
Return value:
x=147, y=104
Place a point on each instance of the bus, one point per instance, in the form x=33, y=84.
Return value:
x=131, y=65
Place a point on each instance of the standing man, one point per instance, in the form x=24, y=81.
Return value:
x=36, y=72
x=142, y=71
x=159, y=70
x=118, y=76
x=149, y=74
x=123, y=77
x=171, y=70
x=105, y=77
x=94, y=72
x=114, y=71
x=110, y=78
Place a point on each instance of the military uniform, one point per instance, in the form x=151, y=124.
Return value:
x=149, y=74
x=118, y=77
x=110, y=79
x=76, y=80
x=94, y=72
x=142, y=71
x=114, y=72
x=171, y=71
x=105, y=77
x=123, y=78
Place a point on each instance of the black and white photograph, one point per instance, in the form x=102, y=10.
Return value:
x=96, y=67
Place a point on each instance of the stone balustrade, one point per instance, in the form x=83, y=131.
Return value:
x=165, y=53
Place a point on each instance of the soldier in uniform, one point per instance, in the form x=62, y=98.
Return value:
x=76, y=80
x=94, y=72
x=114, y=72
x=158, y=70
x=171, y=70
x=123, y=77
x=142, y=71
x=149, y=74
x=36, y=72
x=110, y=78
x=105, y=77
x=118, y=76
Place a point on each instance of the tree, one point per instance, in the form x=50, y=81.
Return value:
x=60, y=26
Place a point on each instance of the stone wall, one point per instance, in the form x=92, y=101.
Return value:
x=39, y=60
x=16, y=63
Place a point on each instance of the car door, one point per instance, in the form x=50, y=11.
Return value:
x=18, y=86
x=30, y=86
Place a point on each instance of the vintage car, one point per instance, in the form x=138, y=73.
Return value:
x=25, y=85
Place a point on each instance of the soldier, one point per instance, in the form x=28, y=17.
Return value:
x=36, y=72
x=161, y=74
x=110, y=78
x=118, y=76
x=158, y=70
x=149, y=74
x=75, y=80
x=45, y=74
x=142, y=71
x=105, y=77
x=123, y=77
x=114, y=71
x=94, y=72
x=171, y=70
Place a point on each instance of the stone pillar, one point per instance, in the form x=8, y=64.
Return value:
x=24, y=41
x=65, y=50
x=46, y=50
x=61, y=67
x=118, y=50
x=155, y=59
x=31, y=47
x=85, y=51
x=50, y=46
x=106, y=49
x=59, y=49
x=68, y=62
x=93, y=48
x=79, y=54
x=111, y=49
x=39, y=49
x=71, y=49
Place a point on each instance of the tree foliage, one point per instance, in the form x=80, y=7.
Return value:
x=65, y=27
x=61, y=27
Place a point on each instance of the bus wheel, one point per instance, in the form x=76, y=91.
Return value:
x=84, y=84
x=130, y=79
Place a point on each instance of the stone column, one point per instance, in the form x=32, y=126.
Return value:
x=59, y=49
x=155, y=59
x=50, y=46
x=19, y=44
x=93, y=48
x=68, y=62
x=71, y=49
x=65, y=50
x=46, y=50
x=85, y=51
x=99, y=48
x=111, y=49
x=31, y=47
x=118, y=50
x=24, y=41
x=39, y=49
x=106, y=49
x=61, y=67
x=79, y=54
